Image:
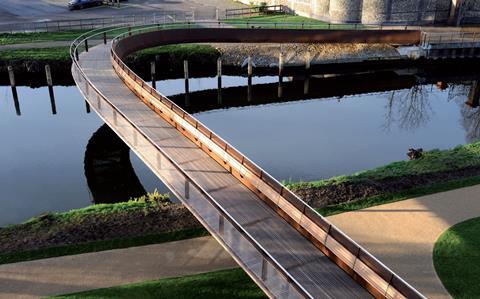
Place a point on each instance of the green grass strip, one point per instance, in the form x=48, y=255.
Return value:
x=60, y=54
x=102, y=245
x=456, y=257
x=393, y=197
x=34, y=37
x=230, y=284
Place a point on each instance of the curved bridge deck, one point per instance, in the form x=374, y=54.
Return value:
x=287, y=248
x=312, y=269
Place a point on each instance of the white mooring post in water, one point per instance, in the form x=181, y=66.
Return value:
x=11, y=76
x=219, y=80
x=48, y=74
x=250, y=73
x=185, y=71
x=280, y=64
x=308, y=60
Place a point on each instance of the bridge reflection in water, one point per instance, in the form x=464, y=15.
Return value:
x=287, y=248
x=108, y=169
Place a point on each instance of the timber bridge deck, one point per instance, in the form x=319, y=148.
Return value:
x=287, y=248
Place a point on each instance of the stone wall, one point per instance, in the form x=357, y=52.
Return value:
x=345, y=11
x=471, y=11
x=379, y=11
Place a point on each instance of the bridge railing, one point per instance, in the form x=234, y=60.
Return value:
x=351, y=257
x=258, y=263
x=460, y=38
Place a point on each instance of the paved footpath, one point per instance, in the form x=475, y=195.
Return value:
x=402, y=234
x=75, y=273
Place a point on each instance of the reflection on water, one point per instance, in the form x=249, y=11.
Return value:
x=56, y=156
x=42, y=155
x=321, y=138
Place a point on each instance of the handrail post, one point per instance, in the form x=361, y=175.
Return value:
x=187, y=189
x=86, y=45
x=105, y=38
x=153, y=74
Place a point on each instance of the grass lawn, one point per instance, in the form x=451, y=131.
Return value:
x=221, y=284
x=21, y=38
x=285, y=21
x=60, y=54
x=457, y=259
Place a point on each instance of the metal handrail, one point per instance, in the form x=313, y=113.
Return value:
x=237, y=225
x=263, y=174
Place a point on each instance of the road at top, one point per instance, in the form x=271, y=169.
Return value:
x=15, y=11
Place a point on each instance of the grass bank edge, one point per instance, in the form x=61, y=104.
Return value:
x=399, y=196
x=434, y=161
x=100, y=245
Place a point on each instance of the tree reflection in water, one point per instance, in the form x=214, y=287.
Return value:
x=409, y=108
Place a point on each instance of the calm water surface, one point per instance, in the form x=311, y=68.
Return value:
x=42, y=156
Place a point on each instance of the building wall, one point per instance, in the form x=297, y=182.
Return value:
x=345, y=11
x=379, y=11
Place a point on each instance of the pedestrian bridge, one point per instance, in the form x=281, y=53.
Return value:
x=287, y=248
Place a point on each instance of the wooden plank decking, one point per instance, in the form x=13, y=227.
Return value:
x=309, y=266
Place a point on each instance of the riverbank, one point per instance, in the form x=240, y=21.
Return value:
x=96, y=228
x=435, y=171
x=121, y=225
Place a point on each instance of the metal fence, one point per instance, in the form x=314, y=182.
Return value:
x=255, y=11
x=93, y=23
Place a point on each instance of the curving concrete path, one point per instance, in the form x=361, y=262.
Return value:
x=67, y=274
x=402, y=234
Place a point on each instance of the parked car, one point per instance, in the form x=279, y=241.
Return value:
x=79, y=4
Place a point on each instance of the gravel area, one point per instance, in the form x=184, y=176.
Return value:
x=266, y=55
